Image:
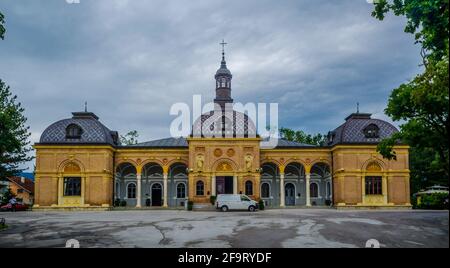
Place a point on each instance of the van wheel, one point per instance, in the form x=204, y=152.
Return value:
x=251, y=208
x=224, y=208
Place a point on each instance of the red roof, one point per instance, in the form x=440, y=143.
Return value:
x=27, y=184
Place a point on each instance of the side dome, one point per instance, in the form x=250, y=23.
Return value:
x=82, y=128
x=222, y=124
x=361, y=128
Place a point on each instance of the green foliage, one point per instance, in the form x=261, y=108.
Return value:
x=426, y=19
x=130, y=138
x=423, y=102
x=190, y=205
x=123, y=203
x=212, y=199
x=2, y=26
x=14, y=144
x=261, y=205
x=6, y=197
x=301, y=137
x=117, y=202
x=434, y=201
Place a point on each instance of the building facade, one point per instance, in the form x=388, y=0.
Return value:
x=80, y=163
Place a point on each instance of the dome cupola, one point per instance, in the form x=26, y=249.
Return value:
x=223, y=82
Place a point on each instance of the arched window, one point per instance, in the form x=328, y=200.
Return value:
x=249, y=188
x=374, y=185
x=73, y=131
x=181, y=190
x=265, y=190
x=131, y=190
x=200, y=188
x=72, y=186
x=314, y=190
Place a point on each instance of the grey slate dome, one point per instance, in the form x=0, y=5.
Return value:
x=360, y=128
x=220, y=124
x=82, y=128
x=223, y=70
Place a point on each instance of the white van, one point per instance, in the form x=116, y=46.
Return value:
x=226, y=202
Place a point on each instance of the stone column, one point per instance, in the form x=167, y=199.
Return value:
x=308, y=194
x=138, y=190
x=363, y=189
x=384, y=188
x=166, y=176
x=282, y=193
x=235, y=184
x=213, y=185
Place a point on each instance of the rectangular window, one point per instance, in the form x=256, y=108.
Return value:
x=72, y=186
x=374, y=186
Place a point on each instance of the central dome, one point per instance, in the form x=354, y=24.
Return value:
x=219, y=124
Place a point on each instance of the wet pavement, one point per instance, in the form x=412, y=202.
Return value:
x=299, y=228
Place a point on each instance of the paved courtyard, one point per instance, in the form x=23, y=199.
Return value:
x=270, y=228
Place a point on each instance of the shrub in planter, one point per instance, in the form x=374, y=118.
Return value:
x=434, y=201
x=123, y=203
x=213, y=199
x=117, y=202
x=190, y=205
x=261, y=205
x=328, y=202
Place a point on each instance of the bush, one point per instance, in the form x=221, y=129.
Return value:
x=434, y=201
x=213, y=199
x=328, y=202
x=261, y=205
x=190, y=205
x=123, y=203
x=117, y=202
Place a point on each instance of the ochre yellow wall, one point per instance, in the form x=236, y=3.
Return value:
x=209, y=157
x=96, y=171
x=350, y=168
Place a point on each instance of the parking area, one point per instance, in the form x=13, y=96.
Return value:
x=299, y=228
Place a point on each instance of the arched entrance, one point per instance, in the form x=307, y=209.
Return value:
x=156, y=195
x=289, y=194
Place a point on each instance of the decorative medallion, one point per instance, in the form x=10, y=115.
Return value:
x=230, y=152
x=218, y=152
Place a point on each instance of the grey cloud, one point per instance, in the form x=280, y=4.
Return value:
x=131, y=60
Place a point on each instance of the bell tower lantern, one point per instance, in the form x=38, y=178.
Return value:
x=223, y=82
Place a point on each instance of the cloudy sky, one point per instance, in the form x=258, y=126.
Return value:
x=131, y=60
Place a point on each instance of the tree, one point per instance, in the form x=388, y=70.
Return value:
x=422, y=103
x=426, y=19
x=14, y=144
x=2, y=26
x=301, y=137
x=7, y=196
x=130, y=138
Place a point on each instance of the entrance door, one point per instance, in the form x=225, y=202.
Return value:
x=290, y=194
x=156, y=195
x=224, y=185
